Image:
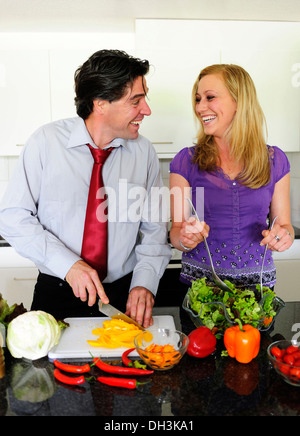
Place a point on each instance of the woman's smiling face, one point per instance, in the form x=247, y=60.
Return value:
x=215, y=106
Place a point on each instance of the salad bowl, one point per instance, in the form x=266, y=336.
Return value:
x=284, y=357
x=218, y=310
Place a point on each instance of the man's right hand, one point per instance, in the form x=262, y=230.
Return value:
x=85, y=282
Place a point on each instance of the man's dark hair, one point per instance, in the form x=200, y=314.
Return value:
x=105, y=76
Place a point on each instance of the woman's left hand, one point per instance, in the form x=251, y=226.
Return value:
x=278, y=239
x=193, y=232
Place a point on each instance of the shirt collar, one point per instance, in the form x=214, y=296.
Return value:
x=80, y=136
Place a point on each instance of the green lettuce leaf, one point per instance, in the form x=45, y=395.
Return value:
x=241, y=303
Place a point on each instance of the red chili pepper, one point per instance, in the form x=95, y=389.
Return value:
x=120, y=369
x=68, y=380
x=128, y=383
x=72, y=368
x=125, y=360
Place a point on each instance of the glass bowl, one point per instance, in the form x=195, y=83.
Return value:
x=145, y=343
x=289, y=373
x=261, y=324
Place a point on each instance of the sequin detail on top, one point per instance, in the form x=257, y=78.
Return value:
x=191, y=270
x=240, y=265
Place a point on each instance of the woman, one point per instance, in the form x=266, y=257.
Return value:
x=244, y=180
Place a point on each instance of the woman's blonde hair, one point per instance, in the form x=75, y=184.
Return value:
x=246, y=132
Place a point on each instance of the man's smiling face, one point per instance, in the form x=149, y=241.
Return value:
x=123, y=117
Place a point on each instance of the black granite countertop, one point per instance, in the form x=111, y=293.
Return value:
x=214, y=386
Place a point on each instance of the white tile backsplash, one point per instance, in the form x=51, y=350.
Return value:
x=294, y=159
x=164, y=169
x=294, y=193
x=4, y=172
x=12, y=162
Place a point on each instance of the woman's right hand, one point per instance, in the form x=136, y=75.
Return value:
x=192, y=232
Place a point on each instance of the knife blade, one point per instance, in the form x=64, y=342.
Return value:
x=114, y=313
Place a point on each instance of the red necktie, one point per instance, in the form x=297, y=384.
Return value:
x=94, y=244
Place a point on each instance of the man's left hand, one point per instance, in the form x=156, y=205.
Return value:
x=139, y=306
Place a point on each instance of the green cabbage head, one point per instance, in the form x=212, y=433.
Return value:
x=32, y=335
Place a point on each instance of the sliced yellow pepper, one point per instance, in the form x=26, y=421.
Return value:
x=115, y=333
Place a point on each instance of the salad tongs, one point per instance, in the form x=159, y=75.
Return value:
x=215, y=277
x=263, y=261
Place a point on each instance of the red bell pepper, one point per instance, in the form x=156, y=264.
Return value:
x=202, y=342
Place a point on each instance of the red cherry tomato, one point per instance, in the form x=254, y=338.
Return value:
x=276, y=352
x=288, y=358
x=284, y=369
x=296, y=355
x=295, y=372
x=292, y=349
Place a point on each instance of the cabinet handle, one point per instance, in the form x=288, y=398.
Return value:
x=22, y=279
x=19, y=145
x=166, y=142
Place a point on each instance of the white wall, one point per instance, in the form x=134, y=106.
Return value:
x=120, y=15
x=294, y=159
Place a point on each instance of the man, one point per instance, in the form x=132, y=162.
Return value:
x=44, y=210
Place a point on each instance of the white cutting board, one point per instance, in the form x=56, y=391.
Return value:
x=73, y=342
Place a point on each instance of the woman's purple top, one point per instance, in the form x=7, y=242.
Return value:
x=236, y=215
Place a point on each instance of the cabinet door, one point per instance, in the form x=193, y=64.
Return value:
x=175, y=64
x=17, y=285
x=287, y=273
x=171, y=125
x=271, y=71
x=270, y=52
x=63, y=64
x=179, y=49
x=67, y=55
x=24, y=96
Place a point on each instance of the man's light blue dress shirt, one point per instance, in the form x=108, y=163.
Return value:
x=42, y=214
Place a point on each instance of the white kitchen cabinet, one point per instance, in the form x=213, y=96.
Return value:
x=179, y=49
x=68, y=53
x=288, y=277
x=171, y=125
x=274, y=87
x=17, y=285
x=63, y=64
x=17, y=277
x=24, y=96
x=288, y=273
x=37, y=78
x=175, y=64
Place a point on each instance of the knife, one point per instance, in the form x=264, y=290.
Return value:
x=114, y=313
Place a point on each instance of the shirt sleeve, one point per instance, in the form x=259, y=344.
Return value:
x=19, y=223
x=181, y=164
x=281, y=164
x=152, y=251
